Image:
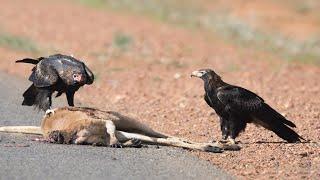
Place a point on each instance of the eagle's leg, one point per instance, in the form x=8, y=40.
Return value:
x=49, y=111
x=224, y=129
x=234, y=129
x=230, y=127
x=50, y=100
x=70, y=97
x=231, y=138
x=232, y=132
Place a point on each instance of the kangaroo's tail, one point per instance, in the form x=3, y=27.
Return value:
x=22, y=129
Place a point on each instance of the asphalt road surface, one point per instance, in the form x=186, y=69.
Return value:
x=22, y=158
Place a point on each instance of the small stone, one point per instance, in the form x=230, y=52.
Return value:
x=119, y=97
x=288, y=105
x=182, y=105
x=305, y=154
x=177, y=75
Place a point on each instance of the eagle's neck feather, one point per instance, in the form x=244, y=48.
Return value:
x=213, y=84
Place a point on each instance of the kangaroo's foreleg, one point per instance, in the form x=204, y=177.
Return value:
x=111, y=131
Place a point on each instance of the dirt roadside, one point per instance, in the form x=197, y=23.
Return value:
x=159, y=90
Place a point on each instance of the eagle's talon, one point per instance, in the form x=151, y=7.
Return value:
x=222, y=141
x=231, y=141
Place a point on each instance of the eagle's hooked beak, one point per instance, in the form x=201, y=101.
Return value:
x=196, y=74
x=90, y=76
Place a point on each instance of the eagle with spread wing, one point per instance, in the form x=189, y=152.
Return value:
x=237, y=106
x=61, y=73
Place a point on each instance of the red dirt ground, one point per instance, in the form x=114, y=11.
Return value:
x=151, y=81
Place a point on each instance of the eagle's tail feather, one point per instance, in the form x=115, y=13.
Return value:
x=275, y=115
x=28, y=60
x=30, y=96
x=286, y=133
x=37, y=97
x=272, y=120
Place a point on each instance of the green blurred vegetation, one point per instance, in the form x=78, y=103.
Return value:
x=189, y=14
x=122, y=41
x=18, y=43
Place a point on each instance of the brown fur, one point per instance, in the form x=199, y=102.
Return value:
x=74, y=125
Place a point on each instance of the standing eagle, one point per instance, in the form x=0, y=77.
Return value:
x=237, y=106
x=58, y=72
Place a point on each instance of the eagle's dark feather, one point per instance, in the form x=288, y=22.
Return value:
x=28, y=60
x=237, y=106
x=54, y=73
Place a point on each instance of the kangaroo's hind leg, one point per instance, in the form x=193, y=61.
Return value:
x=113, y=140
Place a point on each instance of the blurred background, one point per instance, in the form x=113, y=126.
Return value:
x=143, y=51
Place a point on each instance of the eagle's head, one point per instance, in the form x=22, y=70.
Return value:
x=205, y=74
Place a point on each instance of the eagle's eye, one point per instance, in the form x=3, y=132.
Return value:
x=203, y=72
